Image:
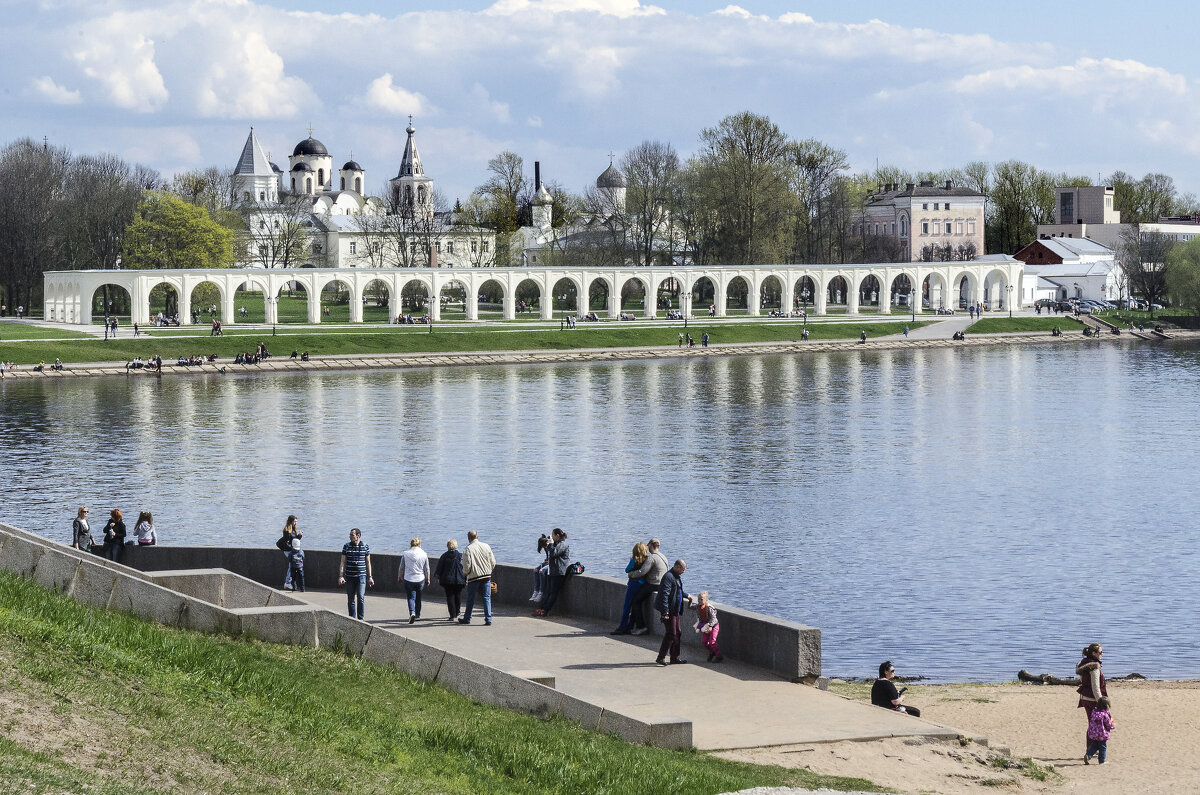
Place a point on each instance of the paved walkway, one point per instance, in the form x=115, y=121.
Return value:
x=731, y=705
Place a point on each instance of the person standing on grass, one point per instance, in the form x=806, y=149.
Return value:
x=450, y=577
x=559, y=557
x=884, y=693
x=114, y=536
x=81, y=533
x=414, y=574
x=478, y=564
x=354, y=572
x=671, y=597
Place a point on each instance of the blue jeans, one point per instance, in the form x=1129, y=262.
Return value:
x=627, y=609
x=413, y=591
x=1098, y=748
x=356, y=589
x=474, y=588
x=539, y=579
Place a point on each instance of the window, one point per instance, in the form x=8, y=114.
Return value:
x=958, y=227
x=262, y=224
x=421, y=194
x=262, y=251
x=937, y=226
x=925, y=206
x=308, y=184
x=893, y=228
x=438, y=247
x=485, y=246
x=262, y=195
x=375, y=248
x=414, y=248
x=948, y=227
x=903, y=227
x=970, y=226
x=947, y=207
x=353, y=248
x=474, y=246
x=408, y=195
x=450, y=247
x=924, y=227
x=343, y=183
x=293, y=184
x=320, y=176
x=358, y=184
x=316, y=248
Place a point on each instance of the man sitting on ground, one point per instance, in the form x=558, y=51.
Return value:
x=884, y=693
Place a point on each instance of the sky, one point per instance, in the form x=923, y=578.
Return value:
x=177, y=84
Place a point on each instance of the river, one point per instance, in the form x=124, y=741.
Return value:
x=963, y=512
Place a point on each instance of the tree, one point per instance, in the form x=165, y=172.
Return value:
x=1183, y=274
x=275, y=234
x=100, y=198
x=1145, y=200
x=745, y=158
x=821, y=201
x=167, y=232
x=33, y=176
x=508, y=194
x=1145, y=258
x=651, y=170
x=470, y=221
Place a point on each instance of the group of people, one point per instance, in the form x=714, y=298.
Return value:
x=691, y=343
x=114, y=533
x=303, y=356
x=137, y=363
x=409, y=320
x=652, y=577
x=195, y=361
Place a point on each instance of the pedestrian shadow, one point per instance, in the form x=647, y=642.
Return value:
x=608, y=666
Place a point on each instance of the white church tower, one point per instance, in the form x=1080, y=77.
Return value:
x=543, y=206
x=254, y=180
x=410, y=187
x=311, y=167
x=352, y=177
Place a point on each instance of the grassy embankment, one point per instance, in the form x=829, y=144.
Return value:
x=100, y=702
x=1009, y=325
x=19, y=331
x=417, y=339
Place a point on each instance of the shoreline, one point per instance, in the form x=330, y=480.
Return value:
x=402, y=361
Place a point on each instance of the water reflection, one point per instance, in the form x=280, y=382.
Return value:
x=951, y=509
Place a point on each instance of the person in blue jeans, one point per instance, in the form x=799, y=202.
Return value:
x=478, y=563
x=354, y=572
x=640, y=553
x=414, y=576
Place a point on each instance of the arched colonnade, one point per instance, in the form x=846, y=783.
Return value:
x=852, y=289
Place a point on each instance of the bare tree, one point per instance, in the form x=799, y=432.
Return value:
x=33, y=176
x=470, y=223
x=651, y=171
x=275, y=234
x=1145, y=258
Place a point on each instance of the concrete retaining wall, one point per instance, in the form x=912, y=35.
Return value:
x=786, y=648
x=210, y=599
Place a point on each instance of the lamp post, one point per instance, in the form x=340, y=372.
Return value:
x=804, y=297
x=1009, y=300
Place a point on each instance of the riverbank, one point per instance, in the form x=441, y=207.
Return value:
x=881, y=336
x=1148, y=752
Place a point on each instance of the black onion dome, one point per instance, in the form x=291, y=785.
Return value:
x=352, y=165
x=302, y=166
x=611, y=178
x=310, y=146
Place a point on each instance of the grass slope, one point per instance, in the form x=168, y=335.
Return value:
x=94, y=701
x=409, y=339
x=20, y=331
x=1008, y=325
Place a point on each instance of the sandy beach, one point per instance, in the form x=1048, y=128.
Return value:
x=1150, y=751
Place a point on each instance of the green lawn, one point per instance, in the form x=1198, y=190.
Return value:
x=19, y=331
x=417, y=339
x=95, y=701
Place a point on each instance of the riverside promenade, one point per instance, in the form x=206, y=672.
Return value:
x=731, y=705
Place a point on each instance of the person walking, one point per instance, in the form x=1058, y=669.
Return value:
x=144, y=530
x=114, y=536
x=478, y=564
x=354, y=572
x=651, y=573
x=560, y=558
x=1100, y=725
x=671, y=597
x=81, y=533
x=291, y=532
x=884, y=693
x=640, y=553
x=414, y=574
x=450, y=577
x=1092, y=685
x=709, y=627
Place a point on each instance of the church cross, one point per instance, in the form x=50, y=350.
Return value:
x=611, y=155
x=310, y=129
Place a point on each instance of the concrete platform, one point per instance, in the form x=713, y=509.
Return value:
x=731, y=705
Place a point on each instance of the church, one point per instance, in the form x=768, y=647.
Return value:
x=310, y=217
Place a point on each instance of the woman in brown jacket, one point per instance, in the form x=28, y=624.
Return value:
x=1093, y=685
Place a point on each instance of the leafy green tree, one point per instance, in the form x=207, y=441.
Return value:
x=1183, y=274
x=168, y=232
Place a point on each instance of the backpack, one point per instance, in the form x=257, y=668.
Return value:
x=284, y=543
x=575, y=568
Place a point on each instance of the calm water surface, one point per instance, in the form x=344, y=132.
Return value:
x=966, y=513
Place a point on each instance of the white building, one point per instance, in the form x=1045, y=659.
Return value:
x=1087, y=212
x=337, y=224
x=1062, y=268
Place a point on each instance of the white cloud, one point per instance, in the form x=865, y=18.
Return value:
x=534, y=121
x=739, y=12
x=616, y=8
x=383, y=95
x=54, y=93
x=247, y=80
x=1086, y=75
x=121, y=61
x=499, y=110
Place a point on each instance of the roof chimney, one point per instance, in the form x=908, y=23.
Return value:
x=949, y=184
x=537, y=175
x=910, y=186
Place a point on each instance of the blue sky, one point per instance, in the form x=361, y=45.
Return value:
x=177, y=83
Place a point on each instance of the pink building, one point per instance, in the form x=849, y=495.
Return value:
x=927, y=222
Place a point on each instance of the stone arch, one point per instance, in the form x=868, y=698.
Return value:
x=737, y=295
x=376, y=301
x=771, y=293
x=452, y=299
x=291, y=301
x=250, y=295
x=204, y=294
x=527, y=295
x=566, y=296
x=996, y=295
x=414, y=297
x=600, y=296
x=163, y=296
x=634, y=294
x=804, y=293
x=902, y=291
x=936, y=292
x=703, y=291
x=963, y=289
x=491, y=294
x=121, y=305
x=668, y=294
x=837, y=291
x=870, y=288
x=336, y=293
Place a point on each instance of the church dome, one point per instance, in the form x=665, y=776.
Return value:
x=276, y=169
x=302, y=166
x=310, y=146
x=352, y=165
x=611, y=178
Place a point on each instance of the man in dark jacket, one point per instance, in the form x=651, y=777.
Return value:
x=670, y=606
x=559, y=555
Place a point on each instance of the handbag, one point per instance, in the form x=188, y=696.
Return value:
x=284, y=543
x=495, y=588
x=575, y=568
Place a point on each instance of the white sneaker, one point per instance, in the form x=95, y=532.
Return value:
x=537, y=596
x=639, y=631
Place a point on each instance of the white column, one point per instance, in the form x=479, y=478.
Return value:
x=227, y=310
x=185, y=306
x=720, y=299
x=547, y=303
x=753, y=296
x=472, y=303
x=614, y=304
x=650, y=307
x=314, y=302
x=510, y=304
x=852, y=296
x=821, y=299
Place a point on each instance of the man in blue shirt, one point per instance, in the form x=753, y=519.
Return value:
x=670, y=606
x=354, y=572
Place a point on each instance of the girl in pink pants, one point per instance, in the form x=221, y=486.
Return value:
x=708, y=627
